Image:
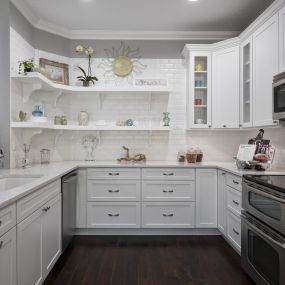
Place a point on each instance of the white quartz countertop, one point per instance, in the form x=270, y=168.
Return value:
x=56, y=170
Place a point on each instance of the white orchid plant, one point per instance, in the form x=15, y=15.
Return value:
x=86, y=78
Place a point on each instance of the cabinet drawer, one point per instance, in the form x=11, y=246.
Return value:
x=113, y=215
x=234, y=200
x=116, y=190
x=114, y=173
x=234, y=182
x=168, y=174
x=7, y=218
x=168, y=215
x=168, y=191
x=234, y=230
x=27, y=205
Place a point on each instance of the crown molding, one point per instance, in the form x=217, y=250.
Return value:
x=268, y=13
x=119, y=35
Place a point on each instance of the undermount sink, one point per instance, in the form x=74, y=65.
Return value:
x=12, y=181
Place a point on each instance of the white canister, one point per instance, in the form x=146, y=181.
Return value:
x=83, y=118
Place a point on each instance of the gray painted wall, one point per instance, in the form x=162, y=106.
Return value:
x=55, y=44
x=5, y=81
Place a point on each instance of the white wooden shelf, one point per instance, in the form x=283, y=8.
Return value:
x=50, y=126
x=47, y=85
x=202, y=71
x=200, y=106
x=203, y=88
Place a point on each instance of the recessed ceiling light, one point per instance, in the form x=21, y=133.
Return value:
x=193, y=0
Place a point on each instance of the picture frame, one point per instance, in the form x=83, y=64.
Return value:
x=55, y=71
x=155, y=82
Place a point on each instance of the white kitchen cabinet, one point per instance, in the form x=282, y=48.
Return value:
x=51, y=238
x=8, y=271
x=222, y=200
x=265, y=66
x=246, y=83
x=168, y=215
x=39, y=242
x=113, y=215
x=234, y=230
x=206, y=198
x=29, y=250
x=282, y=40
x=226, y=87
x=199, y=86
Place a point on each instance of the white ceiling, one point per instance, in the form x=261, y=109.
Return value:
x=166, y=16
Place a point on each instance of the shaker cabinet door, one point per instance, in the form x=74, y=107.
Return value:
x=8, y=272
x=206, y=198
x=226, y=88
x=222, y=202
x=265, y=66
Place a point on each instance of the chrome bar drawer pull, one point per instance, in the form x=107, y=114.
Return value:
x=113, y=191
x=168, y=215
x=168, y=174
x=235, y=231
x=235, y=202
x=1, y=244
x=114, y=174
x=168, y=191
x=0, y=223
x=113, y=215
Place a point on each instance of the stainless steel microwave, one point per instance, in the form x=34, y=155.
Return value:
x=279, y=97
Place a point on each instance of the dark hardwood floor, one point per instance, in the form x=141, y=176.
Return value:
x=149, y=260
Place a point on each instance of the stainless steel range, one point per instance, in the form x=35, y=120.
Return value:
x=263, y=229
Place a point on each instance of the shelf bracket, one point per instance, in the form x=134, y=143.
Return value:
x=57, y=95
x=149, y=101
x=57, y=137
x=28, y=89
x=100, y=100
x=28, y=135
x=149, y=138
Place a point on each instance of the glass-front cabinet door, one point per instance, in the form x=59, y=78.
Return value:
x=200, y=90
x=246, y=84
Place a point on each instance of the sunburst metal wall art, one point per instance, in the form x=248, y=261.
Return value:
x=122, y=63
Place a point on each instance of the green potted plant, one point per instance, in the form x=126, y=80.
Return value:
x=85, y=78
x=26, y=66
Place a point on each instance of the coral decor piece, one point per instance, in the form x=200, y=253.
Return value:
x=135, y=158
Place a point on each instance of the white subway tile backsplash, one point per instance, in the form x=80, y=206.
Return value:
x=216, y=145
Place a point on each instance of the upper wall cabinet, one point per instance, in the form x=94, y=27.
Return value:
x=199, y=89
x=246, y=83
x=282, y=40
x=226, y=87
x=265, y=66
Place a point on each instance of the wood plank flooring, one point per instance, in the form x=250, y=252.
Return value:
x=149, y=260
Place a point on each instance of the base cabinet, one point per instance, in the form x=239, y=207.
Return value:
x=8, y=271
x=206, y=198
x=39, y=243
x=222, y=200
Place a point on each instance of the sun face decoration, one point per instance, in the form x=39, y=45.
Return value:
x=122, y=63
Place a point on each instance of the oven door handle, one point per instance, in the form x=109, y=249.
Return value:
x=262, y=193
x=264, y=235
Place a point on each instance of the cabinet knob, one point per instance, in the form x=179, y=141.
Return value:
x=168, y=174
x=168, y=191
x=240, y=125
x=1, y=243
x=113, y=215
x=235, y=202
x=0, y=223
x=223, y=173
x=235, y=182
x=275, y=122
x=168, y=215
x=210, y=126
x=224, y=126
x=235, y=231
x=114, y=191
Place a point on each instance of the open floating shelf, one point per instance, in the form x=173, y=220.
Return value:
x=44, y=84
x=49, y=126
